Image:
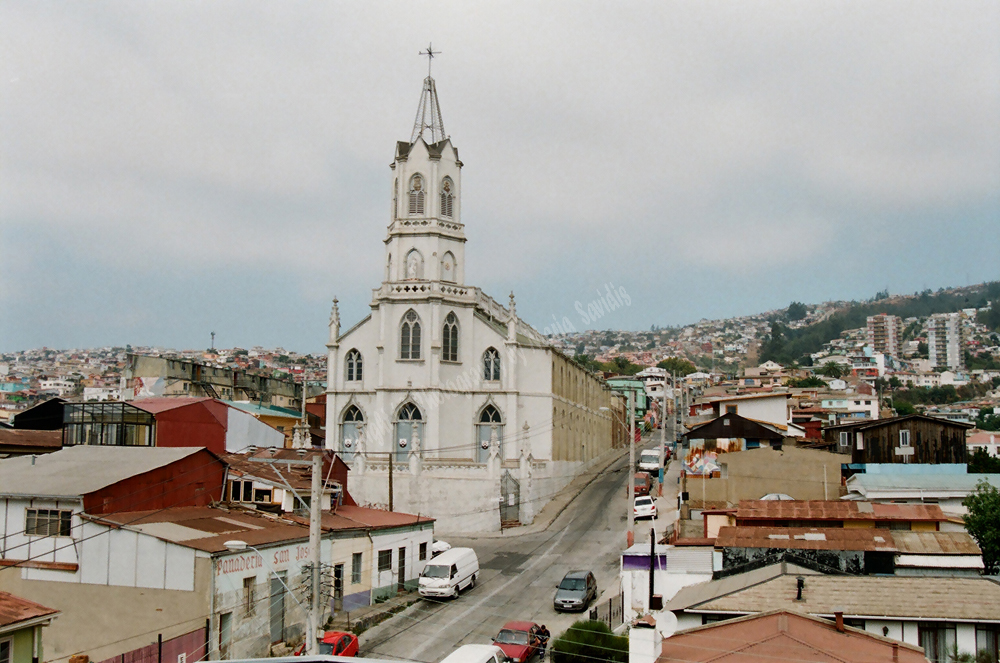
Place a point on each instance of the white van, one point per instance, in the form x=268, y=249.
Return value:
x=449, y=573
x=476, y=654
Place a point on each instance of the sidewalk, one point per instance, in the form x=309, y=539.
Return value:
x=363, y=618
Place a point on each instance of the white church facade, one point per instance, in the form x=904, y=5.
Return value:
x=482, y=420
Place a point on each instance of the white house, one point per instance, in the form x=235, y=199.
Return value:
x=482, y=417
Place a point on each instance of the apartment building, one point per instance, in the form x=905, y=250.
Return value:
x=944, y=340
x=883, y=333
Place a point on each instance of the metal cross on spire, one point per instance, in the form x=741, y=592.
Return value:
x=429, y=111
x=430, y=53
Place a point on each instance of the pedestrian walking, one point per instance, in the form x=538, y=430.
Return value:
x=543, y=635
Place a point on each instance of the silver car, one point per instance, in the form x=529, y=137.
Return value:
x=576, y=591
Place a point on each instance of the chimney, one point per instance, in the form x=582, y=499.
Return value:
x=800, y=584
x=839, y=616
x=645, y=644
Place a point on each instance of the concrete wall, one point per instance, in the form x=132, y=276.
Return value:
x=749, y=475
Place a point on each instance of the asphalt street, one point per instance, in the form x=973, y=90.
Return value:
x=519, y=574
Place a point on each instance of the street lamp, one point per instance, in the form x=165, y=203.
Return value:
x=236, y=545
x=630, y=535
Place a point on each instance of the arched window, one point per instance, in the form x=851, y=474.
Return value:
x=409, y=424
x=490, y=423
x=388, y=268
x=350, y=431
x=447, y=198
x=409, y=336
x=353, y=366
x=491, y=364
x=395, y=198
x=449, y=338
x=416, y=195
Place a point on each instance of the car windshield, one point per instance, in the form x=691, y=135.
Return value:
x=508, y=637
x=573, y=583
x=643, y=501
x=650, y=457
x=435, y=571
x=640, y=481
x=326, y=648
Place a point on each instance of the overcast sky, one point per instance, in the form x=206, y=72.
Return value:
x=169, y=169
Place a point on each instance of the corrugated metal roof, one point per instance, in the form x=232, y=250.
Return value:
x=694, y=595
x=14, y=609
x=265, y=410
x=805, y=538
x=158, y=404
x=43, y=440
x=936, y=543
x=922, y=481
x=835, y=510
x=76, y=471
x=915, y=597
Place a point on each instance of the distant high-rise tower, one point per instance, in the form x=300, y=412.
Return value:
x=883, y=333
x=944, y=340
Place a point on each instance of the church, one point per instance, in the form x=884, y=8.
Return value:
x=442, y=401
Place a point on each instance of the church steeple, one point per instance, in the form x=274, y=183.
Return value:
x=429, y=110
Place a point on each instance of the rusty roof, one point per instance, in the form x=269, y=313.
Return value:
x=30, y=441
x=157, y=404
x=378, y=519
x=806, y=538
x=14, y=610
x=783, y=635
x=298, y=477
x=835, y=510
x=936, y=543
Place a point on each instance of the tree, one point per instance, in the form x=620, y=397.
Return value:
x=983, y=463
x=983, y=523
x=590, y=642
x=677, y=365
x=807, y=383
x=625, y=367
x=904, y=408
x=832, y=370
x=796, y=311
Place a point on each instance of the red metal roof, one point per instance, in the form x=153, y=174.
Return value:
x=806, y=538
x=380, y=519
x=14, y=609
x=835, y=510
x=164, y=403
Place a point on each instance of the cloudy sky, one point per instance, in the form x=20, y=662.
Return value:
x=168, y=168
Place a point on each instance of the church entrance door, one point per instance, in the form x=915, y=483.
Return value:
x=510, y=500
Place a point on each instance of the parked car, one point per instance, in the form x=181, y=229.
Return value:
x=519, y=640
x=335, y=643
x=575, y=592
x=449, y=573
x=642, y=483
x=644, y=507
x=476, y=654
x=649, y=461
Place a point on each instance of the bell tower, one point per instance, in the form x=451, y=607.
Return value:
x=426, y=239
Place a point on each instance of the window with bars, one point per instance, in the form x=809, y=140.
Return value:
x=354, y=366
x=384, y=560
x=48, y=522
x=447, y=198
x=409, y=336
x=357, y=559
x=449, y=338
x=491, y=364
x=416, y=195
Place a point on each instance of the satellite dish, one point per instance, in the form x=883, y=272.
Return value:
x=666, y=622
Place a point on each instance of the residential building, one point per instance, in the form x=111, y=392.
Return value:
x=465, y=399
x=838, y=513
x=727, y=434
x=21, y=624
x=15, y=442
x=945, y=340
x=781, y=635
x=947, y=490
x=883, y=333
x=673, y=567
x=910, y=439
x=987, y=440
x=934, y=613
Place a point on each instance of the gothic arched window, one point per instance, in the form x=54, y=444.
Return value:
x=449, y=338
x=416, y=195
x=491, y=364
x=409, y=336
x=350, y=432
x=490, y=423
x=447, y=198
x=449, y=268
x=409, y=423
x=353, y=366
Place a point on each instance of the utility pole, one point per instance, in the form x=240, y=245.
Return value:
x=390, y=479
x=631, y=464
x=663, y=429
x=315, y=513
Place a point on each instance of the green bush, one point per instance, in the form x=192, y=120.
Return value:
x=589, y=642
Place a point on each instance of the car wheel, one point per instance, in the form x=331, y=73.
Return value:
x=472, y=583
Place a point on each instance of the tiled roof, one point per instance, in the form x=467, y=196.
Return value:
x=14, y=609
x=913, y=597
x=835, y=510
x=783, y=635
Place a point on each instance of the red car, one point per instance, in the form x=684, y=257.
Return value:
x=518, y=640
x=335, y=643
x=642, y=483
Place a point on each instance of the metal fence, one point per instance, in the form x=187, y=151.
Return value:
x=610, y=612
x=186, y=648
